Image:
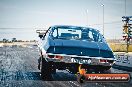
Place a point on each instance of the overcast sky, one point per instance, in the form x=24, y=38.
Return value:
x=32, y=14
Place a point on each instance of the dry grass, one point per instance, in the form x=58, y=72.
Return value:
x=119, y=47
x=24, y=44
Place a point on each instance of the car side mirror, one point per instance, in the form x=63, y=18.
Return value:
x=41, y=33
x=40, y=36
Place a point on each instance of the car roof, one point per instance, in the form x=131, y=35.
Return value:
x=73, y=26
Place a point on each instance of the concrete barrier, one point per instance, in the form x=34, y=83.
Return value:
x=123, y=61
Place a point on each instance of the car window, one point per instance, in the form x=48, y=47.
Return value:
x=100, y=38
x=76, y=33
x=55, y=33
x=69, y=33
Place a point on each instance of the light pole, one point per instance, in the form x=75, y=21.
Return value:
x=87, y=17
x=125, y=7
x=103, y=18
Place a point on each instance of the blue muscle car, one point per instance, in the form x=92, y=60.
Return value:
x=66, y=47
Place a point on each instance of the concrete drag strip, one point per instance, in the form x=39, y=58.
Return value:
x=18, y=68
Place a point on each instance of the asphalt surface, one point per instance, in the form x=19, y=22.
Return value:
x=18, y=68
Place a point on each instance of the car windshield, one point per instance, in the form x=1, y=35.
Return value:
x=76, y=33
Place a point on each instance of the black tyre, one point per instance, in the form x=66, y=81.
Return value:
x=106, y=70
x=81, y=79
x=46, y=73
x=39, y=61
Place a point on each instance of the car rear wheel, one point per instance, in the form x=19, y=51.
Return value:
x=81, y=78
x=46, y=73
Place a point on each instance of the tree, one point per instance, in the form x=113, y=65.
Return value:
x=14, y=40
